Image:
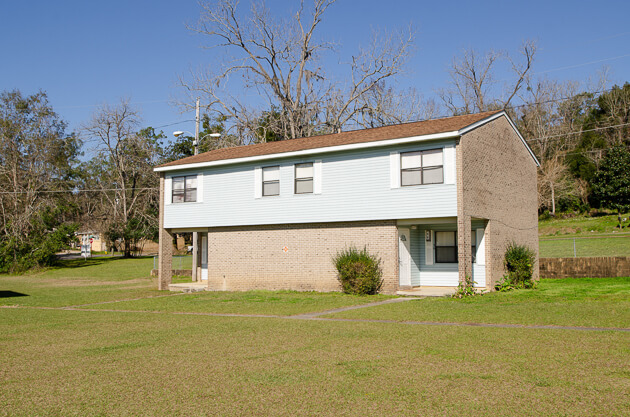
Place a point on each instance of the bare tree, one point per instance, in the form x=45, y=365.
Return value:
x=280, y=61
x=382, y=105
x=473, y=80
x=554, y=182
x=123, y=172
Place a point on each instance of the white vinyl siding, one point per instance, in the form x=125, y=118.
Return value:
x=348, y=186
x=317, y=177
x=257, y=182
x=200, y=188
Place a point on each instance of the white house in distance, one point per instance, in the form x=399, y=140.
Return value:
x=436, y=200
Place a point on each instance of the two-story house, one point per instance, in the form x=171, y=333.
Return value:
x=436, y=200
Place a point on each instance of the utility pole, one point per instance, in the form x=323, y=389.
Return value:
x=197, y=128
x=195, y=235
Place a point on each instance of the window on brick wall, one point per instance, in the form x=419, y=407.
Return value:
x=421, y=167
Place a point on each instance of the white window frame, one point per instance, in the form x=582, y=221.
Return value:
x=436, y=246
x=420, y=167
x=185, y=177
x=297, y=179
x=277, y=168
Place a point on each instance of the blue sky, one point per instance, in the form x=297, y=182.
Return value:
x=85, y=53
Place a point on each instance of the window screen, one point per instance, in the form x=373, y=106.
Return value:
x=446, y=247
x=184, y=189
x=421, y=167
x=304, y=178
x=271, y=180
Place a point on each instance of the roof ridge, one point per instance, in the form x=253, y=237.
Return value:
x=394, y=131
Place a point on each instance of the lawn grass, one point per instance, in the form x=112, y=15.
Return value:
x=61, y=363
x=582, y=226
x=116, y=363
x=585, y=247
x=81, y=281
x=596, y=302
x=283, y=303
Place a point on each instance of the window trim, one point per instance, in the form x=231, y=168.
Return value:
x=185, y=189
x=435, y=246
x=300, y=179
x=421, y=168
x=263, y=182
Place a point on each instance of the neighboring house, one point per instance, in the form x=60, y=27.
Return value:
x=94, y=238
x=435, y=200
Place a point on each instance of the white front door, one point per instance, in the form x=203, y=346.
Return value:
x=404, y=257
x=204, y=257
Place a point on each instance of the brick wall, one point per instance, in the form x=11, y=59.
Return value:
x=243, y=258
x=600, y=267
x=499, y=184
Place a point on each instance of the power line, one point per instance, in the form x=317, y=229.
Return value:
x=582, y=64
x=83, y=106
x=173, y=123
x=74, y=191
x=577, y=132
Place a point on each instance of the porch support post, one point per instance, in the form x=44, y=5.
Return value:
x=464, y=250
x=464, y=222
x=165, y=250
x=195, y=255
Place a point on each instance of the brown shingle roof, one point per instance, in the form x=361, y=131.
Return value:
x=427, y=127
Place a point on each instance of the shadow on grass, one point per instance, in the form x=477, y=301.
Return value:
x=9, y=294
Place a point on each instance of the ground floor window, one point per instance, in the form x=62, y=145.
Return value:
x=446, y=247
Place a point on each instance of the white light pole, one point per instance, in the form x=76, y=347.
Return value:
x=196, y=142
x=195, y=236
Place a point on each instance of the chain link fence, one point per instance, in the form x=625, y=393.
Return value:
x=585, y=246
x=179, y=262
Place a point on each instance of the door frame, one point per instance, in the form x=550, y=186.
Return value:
x=404, y=257
x=204, y=256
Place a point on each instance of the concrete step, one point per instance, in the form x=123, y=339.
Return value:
x=188, y=287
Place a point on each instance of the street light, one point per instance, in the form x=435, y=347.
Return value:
x=196, y=142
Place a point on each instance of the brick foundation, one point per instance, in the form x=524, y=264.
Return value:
x=295, y=257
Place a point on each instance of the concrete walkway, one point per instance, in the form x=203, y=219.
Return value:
x=428, y=292
x=340, y=309
x=188, y=287
x=315, y=317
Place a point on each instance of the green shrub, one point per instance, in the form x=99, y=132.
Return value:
x=358, y=271
x=466, y=288
x=519, y=265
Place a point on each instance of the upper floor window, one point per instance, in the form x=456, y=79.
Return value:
x=304, y=178
x=185, y=189
x=421, y=167
x=271, y=180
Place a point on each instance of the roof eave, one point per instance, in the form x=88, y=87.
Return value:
x=305, y=152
